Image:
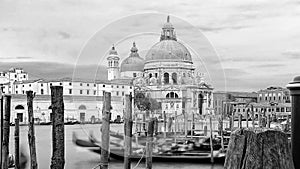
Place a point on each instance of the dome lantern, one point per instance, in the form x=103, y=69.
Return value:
x=168, y=32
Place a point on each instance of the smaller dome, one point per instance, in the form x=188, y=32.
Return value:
x=134, y=62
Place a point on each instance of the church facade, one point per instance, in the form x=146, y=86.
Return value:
x=166, y=74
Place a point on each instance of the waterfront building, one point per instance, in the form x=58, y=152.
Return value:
x=272, y=100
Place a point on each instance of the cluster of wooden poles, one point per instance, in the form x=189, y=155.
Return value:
x=57, y=106
x=262, y=121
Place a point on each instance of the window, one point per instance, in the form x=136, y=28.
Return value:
x=22, y=85
x=16, y=86
x=70, y=84
x=130, y=93
x=166, y=78
x=117, y=86
x=70, y=91
x=123, y=93
x=16, y=92
x=87, y=84
x=174, y=78
x=41, y=84
x=150, y=75
x=134, y=74
x=130, y=87
x=87, y=92
x=24, y=76
x=50, y=84
x=23, y=91
x=94, y=85
x=122, y=87
x=29, y=85
x=95, y=92
x=117, y=93
x=80, y=91
x=60, y=83
x=42, y=91
x=80, y=84
x=103, y=85
x=15, y=76
x=156, y=75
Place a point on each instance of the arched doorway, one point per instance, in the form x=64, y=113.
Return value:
x=20, y=111
x=82, y=110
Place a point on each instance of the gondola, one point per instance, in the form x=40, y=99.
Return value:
x=193, y=156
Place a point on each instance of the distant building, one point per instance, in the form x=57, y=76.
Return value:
x=13, y=75
x=228, y=102
x=273, y=100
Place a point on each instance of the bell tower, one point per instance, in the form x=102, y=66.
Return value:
x=113, y=71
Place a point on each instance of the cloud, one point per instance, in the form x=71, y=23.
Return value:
x=15, y=58
x=64, y=35
x=54, y=70
x=270, y=65
x=291, y=54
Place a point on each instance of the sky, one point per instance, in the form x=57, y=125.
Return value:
x=240, y=45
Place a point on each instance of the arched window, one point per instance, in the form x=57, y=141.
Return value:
x=174, y=78
x=166, y=78
x=150, y=75
x=176, y=95
x=172, y=95
x=82, y=107
x=168, y=95
x=19, y=107
x=200, y=103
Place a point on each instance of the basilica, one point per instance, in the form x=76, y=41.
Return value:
x=166, y=73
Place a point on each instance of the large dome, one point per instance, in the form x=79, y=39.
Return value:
x=134, y=62
x=168, y=50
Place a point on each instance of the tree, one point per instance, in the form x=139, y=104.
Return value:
x=144, y=103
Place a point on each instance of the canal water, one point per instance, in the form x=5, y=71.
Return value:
x=80, y=158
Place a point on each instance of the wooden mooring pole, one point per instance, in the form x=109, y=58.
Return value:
x=1, y=114
x=17, y=144
x=165, y=124
x=105, y=130
x=258, y=148
x=211, y=140
x=247, y=125
x=6, y=125
x=240, y=121
x=58, y=133
x=294, y=88
x=31, y=135
x=128, y=132
x=252, y=116
x=149, y=144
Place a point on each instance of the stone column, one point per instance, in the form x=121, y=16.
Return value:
x=294, y=88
